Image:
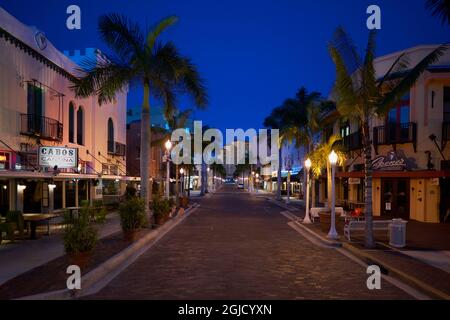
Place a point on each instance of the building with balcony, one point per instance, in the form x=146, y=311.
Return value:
x=411, y=178
x=55, y=149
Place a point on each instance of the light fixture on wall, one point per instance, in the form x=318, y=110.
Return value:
x=21, y=187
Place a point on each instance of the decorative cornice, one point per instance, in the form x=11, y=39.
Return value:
x=36, y=55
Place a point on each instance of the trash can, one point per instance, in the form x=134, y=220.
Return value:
x=397, y=233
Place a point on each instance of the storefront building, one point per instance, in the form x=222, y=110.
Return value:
x=411, y=171
x=56, y=150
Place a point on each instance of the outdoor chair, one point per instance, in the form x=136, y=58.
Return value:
x=14, y=222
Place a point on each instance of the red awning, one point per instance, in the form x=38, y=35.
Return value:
x=422, y=174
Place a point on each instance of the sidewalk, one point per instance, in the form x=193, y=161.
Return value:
x=25, y=255
x=424, y=263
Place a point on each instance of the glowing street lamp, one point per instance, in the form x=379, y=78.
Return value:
x=168, y=146
x=182, y=181
x=333, y=158
x=307, y=219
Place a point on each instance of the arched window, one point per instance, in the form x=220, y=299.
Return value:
x=71, y=123
x=110, y=136
x=80, y=126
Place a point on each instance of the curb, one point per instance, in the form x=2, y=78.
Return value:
x=328, y=242
x=394, y=272
x=100, y=276
x=282, y=205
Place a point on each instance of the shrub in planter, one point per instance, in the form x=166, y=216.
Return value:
x=132, y=217
x=80, y=237
x=161, y=209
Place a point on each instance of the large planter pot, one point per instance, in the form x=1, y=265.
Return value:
x=184, y=202
x=130, y=235
x=80, y=259
x=160, y=220
x=325, y=220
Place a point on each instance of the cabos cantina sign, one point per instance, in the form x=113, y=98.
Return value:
x=63, y=158
x=391, y=162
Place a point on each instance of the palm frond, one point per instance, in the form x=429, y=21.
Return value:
x=153, y=34
x=440, y=9
x=103, y=78
x=121, y=35
x=404, y=85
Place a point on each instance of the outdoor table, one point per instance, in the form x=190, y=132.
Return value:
x=72, y=210
x=34, y=218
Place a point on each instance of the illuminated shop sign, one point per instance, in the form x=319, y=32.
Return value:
x=393, y=161
x=63, y=158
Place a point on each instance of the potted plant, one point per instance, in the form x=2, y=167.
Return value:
x=184, y=202
x=161, y=209
x=132, y=217
x=79, y=238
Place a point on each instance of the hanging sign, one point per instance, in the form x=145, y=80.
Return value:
x=391, y=162
x=63, y=158
x=354, y=180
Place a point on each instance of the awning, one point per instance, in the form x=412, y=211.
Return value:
x=417, y=174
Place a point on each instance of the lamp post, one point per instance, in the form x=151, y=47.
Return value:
x=251, y=185
x=333, y=233
x=168, y=146
x=182, y=181
x=257, y=181
x=307, y=219
x=207, y=179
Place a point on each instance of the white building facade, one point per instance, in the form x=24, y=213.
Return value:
x=56, y=150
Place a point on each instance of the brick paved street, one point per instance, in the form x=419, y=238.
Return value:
x=237, y=246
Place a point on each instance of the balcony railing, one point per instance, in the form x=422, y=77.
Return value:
x=353, y=141
x=41, y=127
x=395, y=134
x=116, y=148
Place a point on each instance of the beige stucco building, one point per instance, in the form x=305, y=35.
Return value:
x=410, y=151
x=37, y=110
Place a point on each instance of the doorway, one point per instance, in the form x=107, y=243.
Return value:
x=4, y=197
x=395, y=198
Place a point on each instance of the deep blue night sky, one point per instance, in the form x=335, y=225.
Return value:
x=253, y=54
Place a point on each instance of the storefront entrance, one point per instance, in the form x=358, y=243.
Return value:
x=4, y=197
x=395, y=198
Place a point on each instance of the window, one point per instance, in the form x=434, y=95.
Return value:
x=34, y=100
x=345, y=129
x=34, y=108
x=400, y=113
x=5, y=160
x=446, y=104
x=80, y=126
x=71, y=123
x=110, y=136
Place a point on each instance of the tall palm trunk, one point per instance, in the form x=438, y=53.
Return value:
x=279, y=175
x=189, y=183
x=369, y=241
x=145, y=148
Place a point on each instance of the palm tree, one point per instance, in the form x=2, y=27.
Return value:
x=440, y=9
x=362, y=96
x=319, y=160
x=176, y=119
x=139, y=58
